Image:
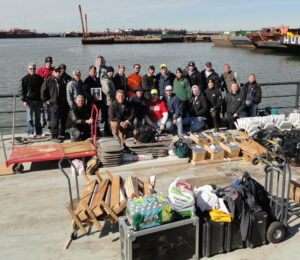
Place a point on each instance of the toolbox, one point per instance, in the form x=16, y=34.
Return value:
x=176, y=240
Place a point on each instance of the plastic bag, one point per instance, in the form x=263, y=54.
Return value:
x=78, y=165
x=219, y=216
x=182, y=197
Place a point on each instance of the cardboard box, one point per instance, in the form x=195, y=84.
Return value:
x=295, y=190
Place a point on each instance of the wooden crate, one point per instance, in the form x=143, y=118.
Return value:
x=295, y=190
x=213, y=137
x=197, y=152
x=185, y=139
x=231, y=149
x=226, y=136
x=214, y=154
x=199, y=138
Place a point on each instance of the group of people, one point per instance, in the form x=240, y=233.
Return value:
x=188, y=100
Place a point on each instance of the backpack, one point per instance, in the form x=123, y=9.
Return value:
x=145, y=134
x=182, y=149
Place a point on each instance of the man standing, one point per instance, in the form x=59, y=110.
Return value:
x=134, y=80
x=101, y=67
x=157, y=113
x=149, y=82
x=109, y=91
x=139, y=102
x=208, y=74
x=30, y=94
x=120, y=79
x=227, y=78
x=74, y=88
x=65, y=77
x=192, y=74
x=174, y=108
x=79, y=120
x=252, y=92
x=164, y=78
x=92, y=82
x=234, y=105
x=121, y=116
x=53, y=93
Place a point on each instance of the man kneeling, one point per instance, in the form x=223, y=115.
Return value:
x=121, y=115
x=79, y=120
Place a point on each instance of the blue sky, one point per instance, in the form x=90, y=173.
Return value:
x=209, y=15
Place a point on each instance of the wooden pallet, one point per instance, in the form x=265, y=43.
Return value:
x=208, y=162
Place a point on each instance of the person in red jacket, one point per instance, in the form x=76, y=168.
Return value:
x=134, y=80
x=46, y=72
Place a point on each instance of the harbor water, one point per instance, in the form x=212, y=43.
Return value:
x=268, y=66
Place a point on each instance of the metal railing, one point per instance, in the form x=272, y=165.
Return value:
x=296, y=95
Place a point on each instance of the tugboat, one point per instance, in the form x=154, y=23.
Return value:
x=22, y=33
x=292, y=40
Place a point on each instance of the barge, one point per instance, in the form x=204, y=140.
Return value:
x=233, y=39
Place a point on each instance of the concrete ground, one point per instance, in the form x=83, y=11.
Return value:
x=35, y=224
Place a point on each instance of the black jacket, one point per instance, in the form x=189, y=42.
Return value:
x=148, y=83
x=54, y=90
x=121, y=82
x=117, y=114
x=139, y=105
x=162, y=81
x=198, y=107
x=77, y=117
x=90, y=83
x=65, y=78
x=214, y=98
x=214, y=76
x=194, y=78
x=30, y=87
x=256, y=92
x=234, y=103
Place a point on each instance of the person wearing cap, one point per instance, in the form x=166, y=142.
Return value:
x=197, y=110
x=174, y=109
x=121, y=115
x=30, y=94
x=209, y=73
x=182, y=89
x=120, y=79
x=109, y=91
x=79, y=121
x=157, y=113
x=139, y=102
x=134, y=80
x=252, y=92
x=164, y=78
x=234, y=105
x=74, y=87
x=53, y=93
x=214, y=103
x=149, y=82
x=46, y=71
x=192, y=74
x=101, y=67
x=227, y=77
x=65, y=77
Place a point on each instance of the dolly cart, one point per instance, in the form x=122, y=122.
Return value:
x=277, y=184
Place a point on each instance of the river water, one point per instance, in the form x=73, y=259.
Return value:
x=268, y=66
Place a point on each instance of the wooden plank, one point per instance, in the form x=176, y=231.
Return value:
x=109, y=175
x=85, y=196
x=6, y=170
x=109, y=211
x=92, y=216
x=77, y=147
x=131, y=187
x=140, y=184
x=147, y=187
x=115, y=191
x=87, y=180
x=207, y=162
x=98, y=176
x=99, y=196
x=77, y=221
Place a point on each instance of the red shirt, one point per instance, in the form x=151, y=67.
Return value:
x=156, y=110
x=44, y=72
x=134, y=81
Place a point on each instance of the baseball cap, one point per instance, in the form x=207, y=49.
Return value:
x=163, y=66
x=208, y=63
x=48, y=59
x=76, y=72
x=139, y=88
x=154, y=92
x=169, y=87
x=110, y=69
x=191, y=63
x=152, y=67
x=62, y=66
x=57, y=68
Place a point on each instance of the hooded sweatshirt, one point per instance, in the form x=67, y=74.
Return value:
x=182, y=89
x=198, y=104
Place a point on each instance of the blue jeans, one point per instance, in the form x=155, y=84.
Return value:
x=33, y=108
x=45, y=115
x=178, y=124
x=195, y=123
x=253, y=110
x=167, y=126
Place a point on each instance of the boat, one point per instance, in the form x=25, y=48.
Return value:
x=21, y=33
x=232, y=39
x=291, y=40
x=196, y=38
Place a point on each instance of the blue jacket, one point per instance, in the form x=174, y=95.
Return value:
x=174, y=106
x=162, y=81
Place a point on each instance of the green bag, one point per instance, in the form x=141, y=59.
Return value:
x=182, y=150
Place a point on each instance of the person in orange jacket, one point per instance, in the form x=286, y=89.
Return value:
x=134, y=80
